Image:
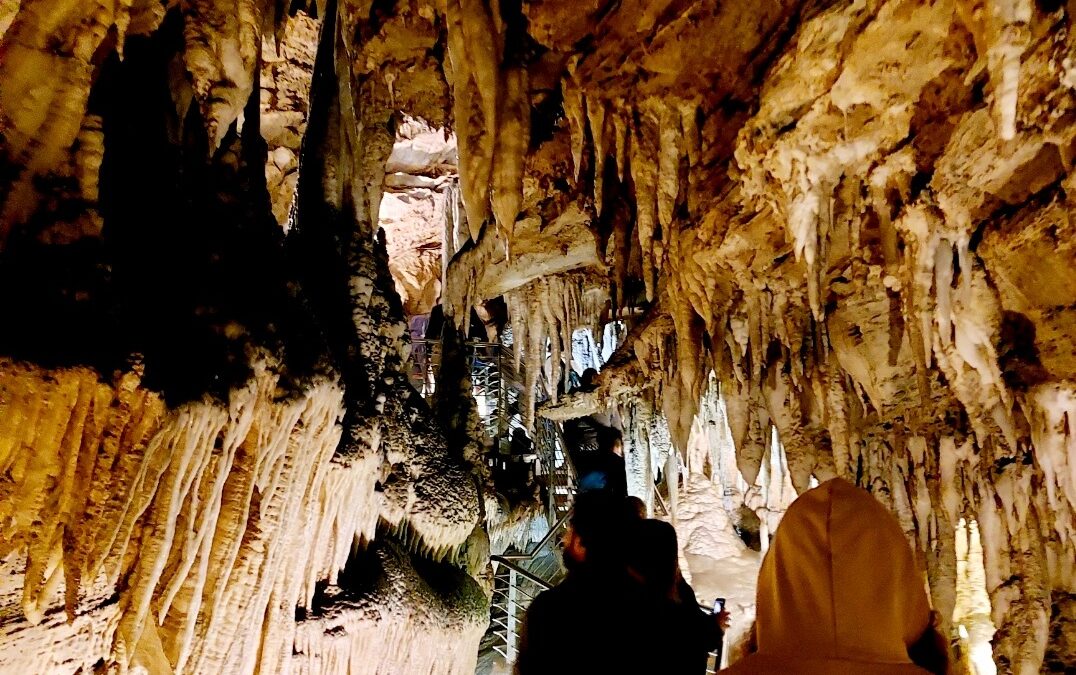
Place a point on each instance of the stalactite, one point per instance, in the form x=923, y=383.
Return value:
x=692, y=142
x=575, y=110
x=670, y=151
x=545, y=314
x=209, y=463
x=596, y=123
x=536, y=353
x=1016, y=578
x=644, y=173
x=621, y=138
x=45, y=93
x=837, y=420
x=1051, y=409
x=513, y=138
x=868, y=247
x=474, y=51
x=1000, y=28
x=222, y=47
x=972, y=612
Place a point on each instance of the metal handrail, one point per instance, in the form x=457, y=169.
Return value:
x=469, y=343
x=516, y=598
x=514, y=602
x=564, y=444
x=511, y=564
x=503, y=594
x=545, y=540
x=522, y=572
x=661, y=501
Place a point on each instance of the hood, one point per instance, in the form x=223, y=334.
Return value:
x=840, y=581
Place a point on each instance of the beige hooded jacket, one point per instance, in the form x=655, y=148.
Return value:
x=839, y=591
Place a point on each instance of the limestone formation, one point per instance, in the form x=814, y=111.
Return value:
x=839, y=231
x=203, y=446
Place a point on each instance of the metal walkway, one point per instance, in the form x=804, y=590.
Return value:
x=494, y=382
x=518, y=577
x=498, y=388
x=517, y=580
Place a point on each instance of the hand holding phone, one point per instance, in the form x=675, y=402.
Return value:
x=722, y=616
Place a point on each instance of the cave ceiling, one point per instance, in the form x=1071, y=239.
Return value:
x=854, y=213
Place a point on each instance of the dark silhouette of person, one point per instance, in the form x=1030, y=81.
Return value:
x=651, y=559
x=596, y=620
x=634, y=508
x=518, y=471
x=520, y=444
x=586, y=380
x=606, y=471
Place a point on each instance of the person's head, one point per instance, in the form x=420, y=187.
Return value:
x=840, y=581
x=634, y=508
x=652, y=555
x=595, y=531
x=611, y=440
x=586, y=380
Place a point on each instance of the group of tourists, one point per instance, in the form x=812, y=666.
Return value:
x=839, y=592
x=623, y=590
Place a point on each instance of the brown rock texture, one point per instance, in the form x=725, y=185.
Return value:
x=211, y=461
x=286, y=68
x=846, y=221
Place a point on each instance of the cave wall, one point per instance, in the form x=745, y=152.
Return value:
x=856, y=214
x=211, y=461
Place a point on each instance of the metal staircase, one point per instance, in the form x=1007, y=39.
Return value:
x=556, y=466
x=493, y=380
x=497, y=387
x=518, y=577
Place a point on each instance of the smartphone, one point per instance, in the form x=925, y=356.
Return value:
x=719, y=605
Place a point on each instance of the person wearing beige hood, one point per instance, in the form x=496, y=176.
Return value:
x=839, y=592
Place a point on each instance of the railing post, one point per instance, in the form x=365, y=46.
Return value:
x=502, y=393
x=513, y=603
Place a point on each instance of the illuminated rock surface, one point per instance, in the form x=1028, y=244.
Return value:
x=855, y=214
